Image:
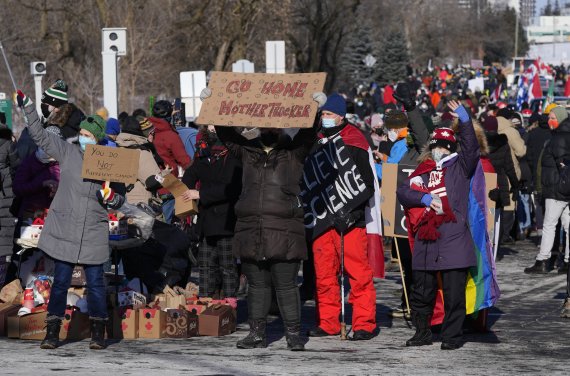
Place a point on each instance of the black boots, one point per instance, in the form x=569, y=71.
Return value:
x=423, y=331
x=51, y=340
x=539, y=267
x=293, y=336
x=256, y=337
x=98, y=334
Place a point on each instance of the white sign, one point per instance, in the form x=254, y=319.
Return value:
x=191, y=85
x=243, y=66
x=275, y=56
x=476, y=84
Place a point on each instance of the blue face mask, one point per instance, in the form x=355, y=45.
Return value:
x=328, y=123
x=84, y=141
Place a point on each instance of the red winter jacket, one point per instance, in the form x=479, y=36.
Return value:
x=169, y=145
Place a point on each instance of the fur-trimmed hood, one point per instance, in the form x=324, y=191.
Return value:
x=479, y=132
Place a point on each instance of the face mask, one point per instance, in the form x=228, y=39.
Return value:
x=45, y=110
x=553, y=123
x=438, y=155
x=392, y=135
x=42, y=156
x=84, y=141
x=328, y=123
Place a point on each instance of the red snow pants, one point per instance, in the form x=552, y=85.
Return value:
x=326, y=250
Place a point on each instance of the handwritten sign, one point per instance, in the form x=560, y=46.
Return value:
x=177, y=188
x=262, y=100
x=331, y=184
x=104, y=163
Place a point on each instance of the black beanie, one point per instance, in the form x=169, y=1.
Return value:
x=132, y=126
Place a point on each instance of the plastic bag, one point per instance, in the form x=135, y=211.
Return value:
x=140, y=223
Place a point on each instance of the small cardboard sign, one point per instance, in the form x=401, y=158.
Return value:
x=393, y=217
x=120, y=165
x=262, y=100
x=177, y=188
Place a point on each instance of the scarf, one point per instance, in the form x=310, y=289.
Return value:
x=430, y=221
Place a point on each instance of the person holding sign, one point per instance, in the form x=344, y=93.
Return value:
x=76, y=230
x=337, y=185
x=269, y=235
x=443, y=241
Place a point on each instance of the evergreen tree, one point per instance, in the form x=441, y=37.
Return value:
x=393, y=59
x=556, y=10
x=352, y=65
x=547, y=10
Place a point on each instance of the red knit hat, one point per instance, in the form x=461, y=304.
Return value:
x=443, y=137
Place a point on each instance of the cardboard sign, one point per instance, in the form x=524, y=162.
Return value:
x=177, y=188
x=7, y=310
x=262, y=100
x=393, y=218
x=331, y=184
x=104, y=163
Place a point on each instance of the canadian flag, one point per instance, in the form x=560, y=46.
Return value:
x=534, y=90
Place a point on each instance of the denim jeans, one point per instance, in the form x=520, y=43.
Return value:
x=523, y=211
x=168, y=210
x=96, y=298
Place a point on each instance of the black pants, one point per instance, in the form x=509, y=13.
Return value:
x=423, y=299
x=261, y=275
x=217, y=265
x=507, y=223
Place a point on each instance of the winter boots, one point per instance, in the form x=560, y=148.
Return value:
x=51, y=340
x=256, y=337
x=98, y=334
x=293, y=336
x=539, y=267
x=423, y=331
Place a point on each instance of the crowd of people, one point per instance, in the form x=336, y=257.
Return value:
x=250, y=235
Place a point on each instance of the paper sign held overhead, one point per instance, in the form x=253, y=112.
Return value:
x=119, y=165
x=262, y=100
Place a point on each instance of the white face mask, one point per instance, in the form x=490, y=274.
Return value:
x=392, y=135
x=438, y=155
x=328, y=123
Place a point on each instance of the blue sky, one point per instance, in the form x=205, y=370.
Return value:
x=541, y=3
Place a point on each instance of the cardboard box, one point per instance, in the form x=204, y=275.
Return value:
x=195, y=309
x=125, y=323
x=177, y=323
x=217, y=320
x=6, y=310
x=75, y=326
x=33, y=326
x=132, y=299
x=118, y=228
x=11, y=291
x=152, y=323
x=13, y=327
x=173, y=299
x=78, y=278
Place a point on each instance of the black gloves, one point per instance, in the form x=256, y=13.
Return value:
x=495, y=195
x=405, y=97
x=343, y=221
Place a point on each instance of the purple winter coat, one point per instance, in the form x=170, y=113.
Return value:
x=455, y=248
x=28, y=184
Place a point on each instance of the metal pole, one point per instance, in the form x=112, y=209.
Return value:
x=402, y=275
x=110, y=83
x=38, y=89
x=342, y=322
x=8, y=67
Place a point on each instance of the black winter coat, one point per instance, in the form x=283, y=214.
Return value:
x=269, y=212
x=537, y=138
x=220, y=187
x=502, y=161
x=556, y=152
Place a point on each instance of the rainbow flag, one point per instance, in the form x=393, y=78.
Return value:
x=482, y=290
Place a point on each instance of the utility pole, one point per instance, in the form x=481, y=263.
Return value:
x=517, y=34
